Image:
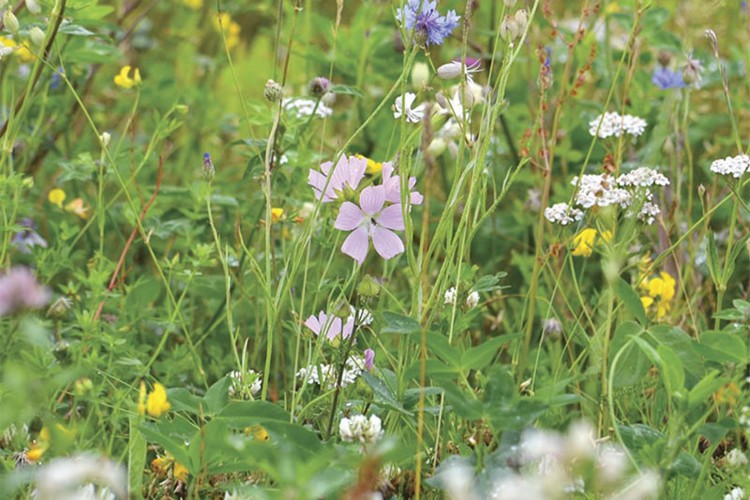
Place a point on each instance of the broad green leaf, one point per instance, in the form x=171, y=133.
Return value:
x=217, y=396
x=383, y=394
x=671, y=369
x=631, y=300
x=722, y=347
x=396, y=323
x=480, y=356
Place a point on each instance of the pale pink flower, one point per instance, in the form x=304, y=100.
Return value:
x=329, y=182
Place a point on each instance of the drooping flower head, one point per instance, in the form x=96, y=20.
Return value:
x=371, y=220
x=429, y=26
x=331, y=182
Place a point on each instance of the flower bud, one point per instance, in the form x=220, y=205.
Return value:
x=37, y=36
x=273, y=91
x=522, y=19
x=692, y=73
x=509, y=28
x=473, y=299
x=33, y=6
x=318, y=87
x=436, y=147
x=11, y=22
x=105, y=138
x=420, y=75
x=450, y=70
x=209, y=172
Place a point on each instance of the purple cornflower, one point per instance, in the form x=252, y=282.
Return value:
x=208, y=166
x=348, y=173
x=430, y=27
x=392, y=186
x=370, y=220
x=28, y=238
x=666, y=79
x=369, y=359
x=330, y=327
x=19, y=290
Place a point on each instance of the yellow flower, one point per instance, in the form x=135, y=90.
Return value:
x=123, y=79
x=180, y=472
x=727, y=394
x=21, y=51
x=142, y=399
x=660, y=291
x=56, y=197
x=77, y=207
x=157, y=403
x=612, y=8
x=161, y=465
x=40, y=446
x=258, y=432
x=585, y=240
x=193, y=4
x=373, y=167
x=277, y=214
x=223, y=22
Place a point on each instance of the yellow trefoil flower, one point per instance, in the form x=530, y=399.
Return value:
x=373, y=167
x=660, y=291
x=585, y=240
x=223, y=22
x=277, y=214
x=258, y=432
x=77, y=207
x=161, y=465
x=180, y=472
x=123, y=79
x=157, y=403
x=21, y=50
x=40, y=446
x=56, y=197
x=193, y=4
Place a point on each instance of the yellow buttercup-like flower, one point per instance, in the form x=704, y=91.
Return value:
x=180, y=472
x=56, y=197
x=660, y=292
x=223, y=22
x=156, y=403
x=123, y=79
x=585, y=240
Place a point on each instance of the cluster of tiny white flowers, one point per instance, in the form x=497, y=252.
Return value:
x=326, y=375
x=304, y=106
x=642, y=177
x=737, y=493
x=360, y=429
x=563, y=214
x=600, y=190
x=242, y=384
x=615, y=125
x=649, y=211
x=731, y=165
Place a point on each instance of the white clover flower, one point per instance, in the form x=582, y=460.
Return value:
x=735, y=458
x=326, y=375
x=473, y=299
x=737, y=493
x=600, y=190
x=614, y=125
x=245, y=384
x=563, y=214
x=450, y=296
x=403, y=106
x=70, y=478
x=303, y=107
x=731, y=165
x=642, y=177
x=358, y=429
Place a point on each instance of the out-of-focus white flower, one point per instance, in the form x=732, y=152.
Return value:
x=326, y=375
x=473, y=299
x=33, y=6
x=403, y=106
x=360, y=429
x=457, y=480
x=563, y=214
x=642, y=177
x=244, y=385
x=735, y=458
x=303, y=107
x=737, y=493
x=70, y=478
x=450, y=296
x=731, y=165
x=362, y=317
x=615, y=125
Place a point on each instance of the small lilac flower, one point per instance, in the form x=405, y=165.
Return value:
x=28, y=238
x=369, y=359
x=666, y=79
x=392, y=185
x=208, y=167
x=430, y=27
x=19, y=290
x=371, y=221
x=402, y=106
x=330, y=327
x=348, y=173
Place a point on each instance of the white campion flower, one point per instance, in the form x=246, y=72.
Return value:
x=403, y=106
x=244, y=383
x=360, y=429
x=735, y=458
x=304, y=107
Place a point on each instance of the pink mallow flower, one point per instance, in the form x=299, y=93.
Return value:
x=368, y=221
x=392, y=185
x=348, y=172
x=330, y=327
x=19, y=290
x=369, y=359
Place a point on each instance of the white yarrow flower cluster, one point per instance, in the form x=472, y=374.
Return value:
x=360, y=429
x=304, y=106
x=563, y=214
x=615, y=125
x=600, y=190
x=642, y=177
x=731, y=165
x=244, y=384
x=326, y=375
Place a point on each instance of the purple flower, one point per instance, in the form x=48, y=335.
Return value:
x=28, y=238
x=422, y=17
x=368, y=221
x=666, y=79
x=331, y=183
x=392, y=185
x=369, y=359
x=330, y=327
x=19, y=290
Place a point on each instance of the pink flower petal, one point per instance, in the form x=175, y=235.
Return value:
x=357, y=168
x=317, y=181
x=334, y=329
x=350, y=217
x=314, y=324
x=392, y=217
x=348, y=328
x=386, y=242
x=356, y=245
x=372, y=199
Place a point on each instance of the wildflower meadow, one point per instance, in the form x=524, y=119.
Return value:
x=374, y=249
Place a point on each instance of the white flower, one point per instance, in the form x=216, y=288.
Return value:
x=736, y=458
x=473, y=299
x=600, y=190
x=358, y=429
x=450, y=296
x=563, y=214
x=453, y=69
x=642, y=177
x=326, y=375
x=362, y=317
x=649, y=212
x=737, y=493
x=403, y=106
x=615, y=125
x=70, y=478
x=734, y=166
x=303, y=107
x=245, y=385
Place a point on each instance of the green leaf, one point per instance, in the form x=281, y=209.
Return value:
x=345, y=89
x=383, y=394
x=156, y=434
x=480, y=356
x=183, y=400
x=703, y=389
x=722, y=347
x=712, y=259
x=217, y=396
x=631, y=300
x=136, y=458
x=257, y=411
x=671, y=369
x=396, y=323
x=488, y=283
